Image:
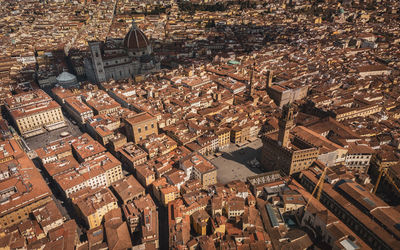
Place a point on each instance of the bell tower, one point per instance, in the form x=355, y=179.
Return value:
x=251, y=83
x=286, y=122
x=97, y=61
x=270, y=74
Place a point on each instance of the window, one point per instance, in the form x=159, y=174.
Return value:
x=145, y=128
x=139, y=130
x=152, y=125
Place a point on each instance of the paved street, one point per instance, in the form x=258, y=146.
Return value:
x=65, y=208
x=233, y=163
x=39, y=141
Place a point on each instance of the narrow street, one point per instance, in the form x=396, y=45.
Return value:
x=65, y=207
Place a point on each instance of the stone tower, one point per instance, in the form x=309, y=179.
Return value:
x=97, y=61
x=251, y=83
x=270, y=74
x=285, y=123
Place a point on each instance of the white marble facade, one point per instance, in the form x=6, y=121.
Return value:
x=121, y=58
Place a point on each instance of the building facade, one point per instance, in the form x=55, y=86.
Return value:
x=140, y=126
x=22, y=188
x=35, y=113
x=284, y=151
x=285, y=92
x=199, y=168
x=78, y=109
x=93, y=206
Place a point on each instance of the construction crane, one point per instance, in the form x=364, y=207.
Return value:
x=384, y=172
x=318, y=187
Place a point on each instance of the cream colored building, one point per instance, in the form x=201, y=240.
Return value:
x=224, y=138
x=35, y=113
x=93, y=206
x=360, y=108
x=198, y=167
x=78, y=109
x=168, y=194
x=101, y=171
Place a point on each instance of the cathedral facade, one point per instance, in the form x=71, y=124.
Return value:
x=118, y=58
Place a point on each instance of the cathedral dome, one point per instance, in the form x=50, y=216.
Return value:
x=135, y=39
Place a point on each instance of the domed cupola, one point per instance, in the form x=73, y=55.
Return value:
x=136, y=41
